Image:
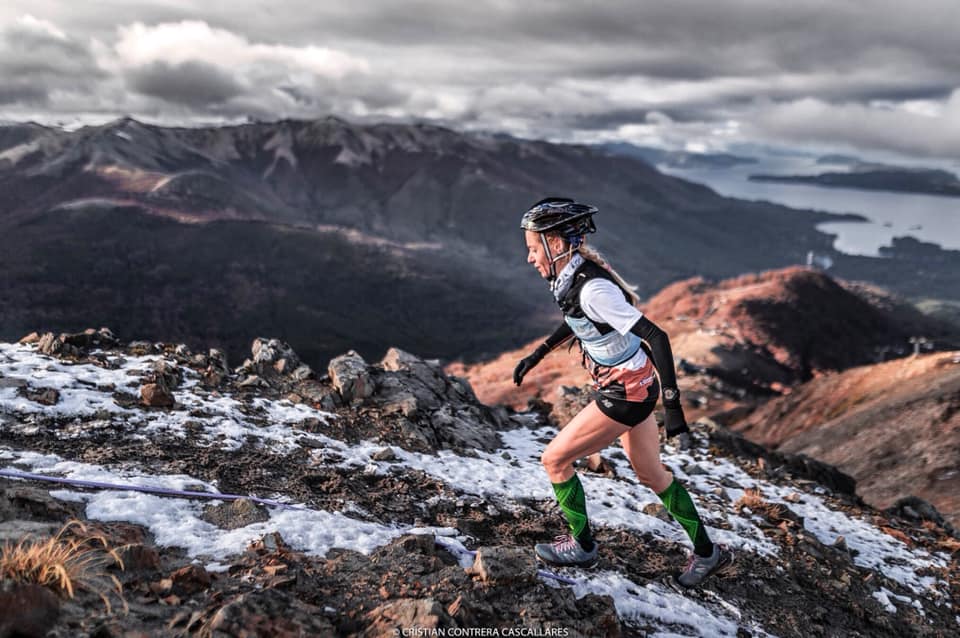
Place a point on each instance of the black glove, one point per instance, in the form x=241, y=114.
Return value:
x=673, y=419
x=527, y=363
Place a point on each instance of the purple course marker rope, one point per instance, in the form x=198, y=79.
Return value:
x=163, y=491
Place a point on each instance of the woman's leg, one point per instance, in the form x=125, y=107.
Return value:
x=642, y=445
x=588, y=432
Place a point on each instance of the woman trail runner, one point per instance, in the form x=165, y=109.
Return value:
x=625, y=354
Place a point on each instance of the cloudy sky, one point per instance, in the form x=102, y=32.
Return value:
x=872, y=76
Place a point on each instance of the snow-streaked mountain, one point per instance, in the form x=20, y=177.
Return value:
x=302, y=228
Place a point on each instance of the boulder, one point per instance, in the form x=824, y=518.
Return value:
x=319, y=395
x=141, y=348
x=49, y=344
x=31, y=503
x=429, y=376
x=504, y=565
x=43, y=396
x=235, y=514
x=170, y=375
x=15, y=530
x=156, y=395
x=273, y=357
x=270, y=612
x=217, y=360
x=396, y=616
x=438, y=410
x=75, y=344
x=138, y=557
x=27, y=610
x=916, y=509
x=350, y=377
x=189, y=580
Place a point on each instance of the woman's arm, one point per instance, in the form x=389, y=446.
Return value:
x=527, y=364
x=675, y=422
x=561, y=334
x=659, y=344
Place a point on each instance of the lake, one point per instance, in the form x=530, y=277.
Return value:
x=926, y=217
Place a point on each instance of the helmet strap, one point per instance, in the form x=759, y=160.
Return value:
x=574, y=246
x=549, y=253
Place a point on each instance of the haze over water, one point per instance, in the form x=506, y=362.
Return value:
x=929, y=218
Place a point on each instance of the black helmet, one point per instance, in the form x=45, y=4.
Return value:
x=560, y=214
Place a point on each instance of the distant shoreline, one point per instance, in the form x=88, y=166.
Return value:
x=922, y=182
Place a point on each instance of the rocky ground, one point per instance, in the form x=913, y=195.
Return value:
x=395, y=500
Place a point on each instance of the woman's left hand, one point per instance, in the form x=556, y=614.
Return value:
x=527, y=363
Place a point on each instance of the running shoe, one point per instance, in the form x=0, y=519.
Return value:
x=698, y=567
x=565, y=551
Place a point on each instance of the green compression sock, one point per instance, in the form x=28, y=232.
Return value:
x=678, y=502
x=573, y=502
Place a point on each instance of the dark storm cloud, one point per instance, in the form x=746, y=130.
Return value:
x=36, y=59
x=681, y=39
x=537, y=65
x=194, y=84
x=25, y=92
x=611, y=119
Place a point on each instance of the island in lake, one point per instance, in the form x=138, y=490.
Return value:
x=676, y=159
x=884, y=178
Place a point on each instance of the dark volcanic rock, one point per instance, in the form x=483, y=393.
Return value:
x=156, y=395
x=273, y=357
x=235, y=514
x=441, y=410
x=350, y=377
x=26, y=610
x=31, y=503
x=43, y=396
x=504, y=565
x=138, y=557
x=813, y=584
x=189, y=580
x=265, y=613
x=76, y=344
x=392, y=618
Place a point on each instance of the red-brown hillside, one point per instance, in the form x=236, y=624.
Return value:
x=893, y=426
x=799, y=320
x=771, y=329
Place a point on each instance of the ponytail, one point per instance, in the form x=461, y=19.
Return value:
x=593, y=255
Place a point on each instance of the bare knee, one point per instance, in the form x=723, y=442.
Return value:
x=656, y=478
x=554, y=462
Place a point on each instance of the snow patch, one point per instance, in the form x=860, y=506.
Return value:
x=177, y=522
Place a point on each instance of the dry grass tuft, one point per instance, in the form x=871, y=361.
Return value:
x=752, y=498
x=71, y=560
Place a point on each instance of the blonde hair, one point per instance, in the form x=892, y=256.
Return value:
x=594, y=255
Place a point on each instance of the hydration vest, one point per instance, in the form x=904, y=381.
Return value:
x=600, y=341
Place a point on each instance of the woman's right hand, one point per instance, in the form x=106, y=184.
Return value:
x=529, y=362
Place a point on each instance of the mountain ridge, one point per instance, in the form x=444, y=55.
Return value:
x=414, y=185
